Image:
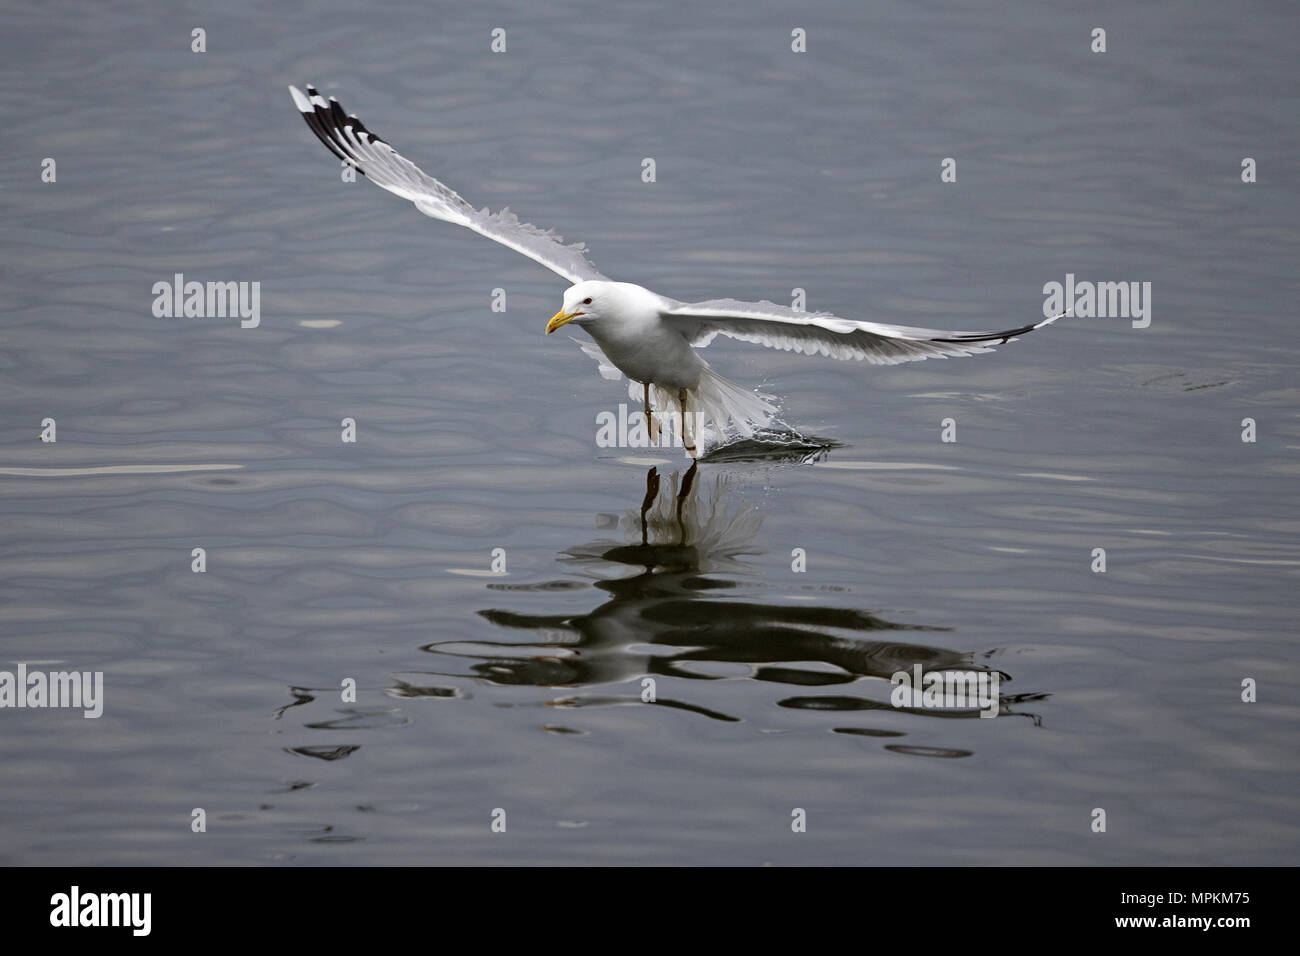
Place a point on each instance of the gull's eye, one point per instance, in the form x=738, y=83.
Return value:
x=587, y=301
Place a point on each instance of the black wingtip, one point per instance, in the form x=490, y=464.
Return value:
x=1001, y=338
x=329, y=121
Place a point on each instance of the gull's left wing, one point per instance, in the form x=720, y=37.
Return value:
x=349, y=140
x=820, y=333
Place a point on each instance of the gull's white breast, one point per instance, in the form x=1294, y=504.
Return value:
x=648, y=351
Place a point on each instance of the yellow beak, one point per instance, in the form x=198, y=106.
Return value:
x=561, y=318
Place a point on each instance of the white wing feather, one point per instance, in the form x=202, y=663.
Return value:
x=593, y=351
x=820, y=333
x=349, y=140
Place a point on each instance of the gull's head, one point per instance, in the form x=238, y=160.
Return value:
x=589, y=302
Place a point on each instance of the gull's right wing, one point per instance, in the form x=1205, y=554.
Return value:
x=820, y=333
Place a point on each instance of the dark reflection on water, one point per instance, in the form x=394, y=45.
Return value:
x=325, y=753
x=677, y=609
x=773, y=445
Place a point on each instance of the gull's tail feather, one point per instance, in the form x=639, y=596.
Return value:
x=732, y=410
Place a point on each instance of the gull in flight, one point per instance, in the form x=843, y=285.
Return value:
x=650, y=338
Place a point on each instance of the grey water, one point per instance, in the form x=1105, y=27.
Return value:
x=765, y=599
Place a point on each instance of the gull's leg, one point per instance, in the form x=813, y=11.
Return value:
x=651, y=493
x=651, y=424
x=688, y=440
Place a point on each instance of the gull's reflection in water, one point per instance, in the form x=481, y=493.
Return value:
x=671, y=610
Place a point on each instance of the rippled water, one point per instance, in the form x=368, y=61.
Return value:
x=523, y=691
